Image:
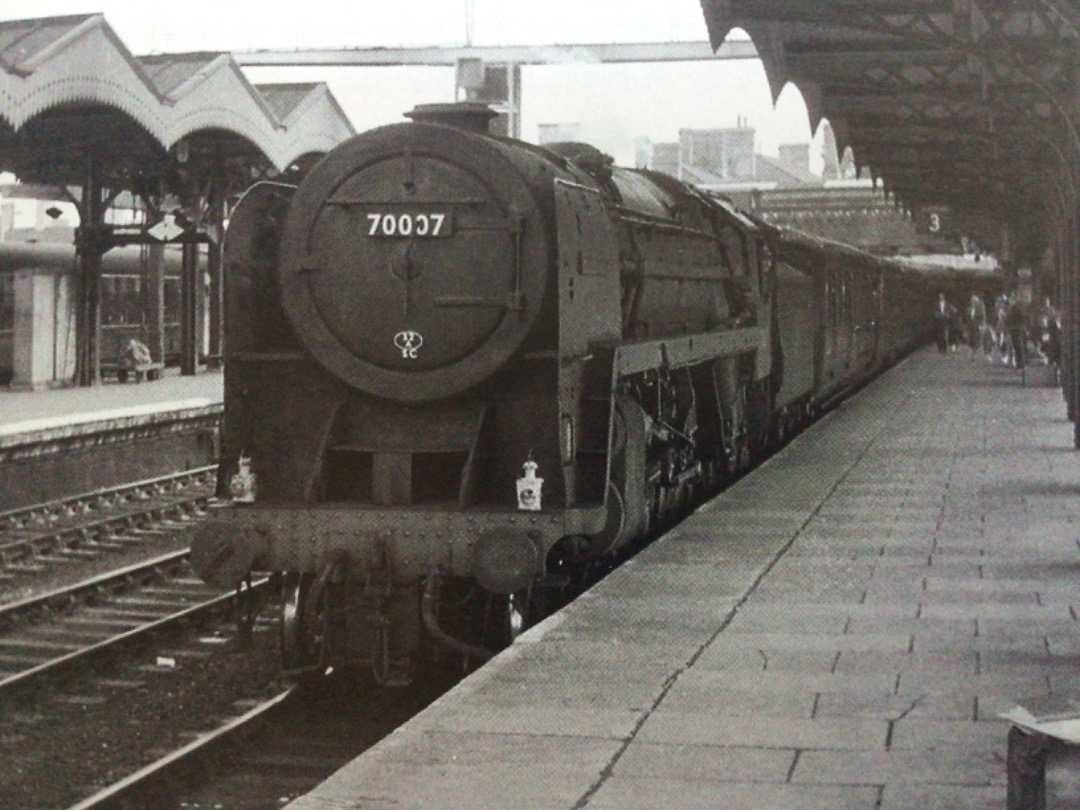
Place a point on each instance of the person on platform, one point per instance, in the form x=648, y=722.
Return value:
x=944, y=314
x=1049, y=334
x=957, y=329
x=136, y=353
x=999, y=352
x=1016, y=328
x=978, y=328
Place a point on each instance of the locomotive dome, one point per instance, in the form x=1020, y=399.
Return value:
x=414, y=257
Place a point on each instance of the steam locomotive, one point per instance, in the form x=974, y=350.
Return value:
x=461, y=370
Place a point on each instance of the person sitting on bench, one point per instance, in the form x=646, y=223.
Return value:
x=135, y=359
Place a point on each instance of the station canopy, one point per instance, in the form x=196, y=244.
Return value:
x=74, y=98
x=968, y=104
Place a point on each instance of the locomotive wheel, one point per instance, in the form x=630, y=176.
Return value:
x=715, y=476
x=303, y=631
x=295, y=650
x=630, y=491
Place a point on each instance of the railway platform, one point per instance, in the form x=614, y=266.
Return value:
x=30, y=412
x=70, y=441
x=840, y=629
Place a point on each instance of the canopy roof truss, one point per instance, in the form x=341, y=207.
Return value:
x=967, y=103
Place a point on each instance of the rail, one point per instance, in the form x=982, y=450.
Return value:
x=83, y=526
x=156, y=779
x=24, y=642
x=43, y=514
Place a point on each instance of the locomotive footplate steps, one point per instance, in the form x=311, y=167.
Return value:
x=841, y=629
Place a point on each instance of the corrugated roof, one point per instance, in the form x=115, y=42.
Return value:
x=169, y=71
x=69, y=88
x=21, y=40
x=284, y=98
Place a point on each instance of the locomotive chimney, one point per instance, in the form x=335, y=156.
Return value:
x=471, y=115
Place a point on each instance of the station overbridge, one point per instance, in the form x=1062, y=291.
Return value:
x=493, y=73
x=593, y=53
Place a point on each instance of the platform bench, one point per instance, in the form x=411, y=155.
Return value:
x=151, y=371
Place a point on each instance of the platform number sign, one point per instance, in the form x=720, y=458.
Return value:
x=936, y=221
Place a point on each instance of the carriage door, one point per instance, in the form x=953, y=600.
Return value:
x=838, y=325
x=865, y=298
x=847, y=321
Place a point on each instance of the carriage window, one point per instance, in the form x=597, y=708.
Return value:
x=172, y=300
x=124, y=294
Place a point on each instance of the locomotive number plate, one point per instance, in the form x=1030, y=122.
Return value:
x=430, y=224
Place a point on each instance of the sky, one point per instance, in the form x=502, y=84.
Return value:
x=612, y=104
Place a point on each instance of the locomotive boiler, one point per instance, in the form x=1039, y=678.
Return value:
x=461, y=370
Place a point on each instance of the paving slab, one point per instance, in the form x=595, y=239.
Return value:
x=840, y=629
x=649, y=793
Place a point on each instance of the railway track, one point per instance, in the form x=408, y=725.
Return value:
x=274, y=752
x=67, y=645
x=46, y=633
x=252, y=757
x=129, y=632
x=153, y=785
x=35, y=539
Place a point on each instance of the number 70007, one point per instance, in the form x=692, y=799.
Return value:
x=382, y=224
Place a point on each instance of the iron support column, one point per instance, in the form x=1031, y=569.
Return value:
x=214, y=266
x=189, y=309
x=88, y=251
x=154, y=300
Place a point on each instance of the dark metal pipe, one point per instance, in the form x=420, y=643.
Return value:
x=431, y=623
